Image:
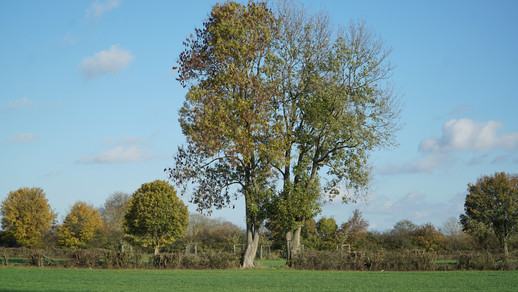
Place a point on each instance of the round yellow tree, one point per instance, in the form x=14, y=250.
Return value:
x=156, y=216
x=26, y=216
x=80, y=226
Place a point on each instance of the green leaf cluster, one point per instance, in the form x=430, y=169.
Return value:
x=492, y=204
x=156, y=216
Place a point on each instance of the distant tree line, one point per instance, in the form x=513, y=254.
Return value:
x=150, y=219
x=29, y=221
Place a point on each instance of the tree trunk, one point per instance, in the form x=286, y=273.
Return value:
x=157, y=249
x=252, y=242
x=292, y=245
x=506, y=251
x=289, y=236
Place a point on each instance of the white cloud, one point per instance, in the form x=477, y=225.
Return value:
x=118, y=154
x=112, y=60
x=424, y=164
x=19, y=103
x=23, y=138
x=465, y=134
x=97, y=9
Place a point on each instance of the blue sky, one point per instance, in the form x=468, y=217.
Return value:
x=89, y=103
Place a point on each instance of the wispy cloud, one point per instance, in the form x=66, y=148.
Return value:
x=23, y=138
x=112, y=60
x=478, y=159
x=19, y=103
x=51, y=173
x=122, y=150
x=466, y=134
x=425, y=164
x=501, y=159
x=69, y=39
x=97, y=9
x=461, y=110
x=459, y=136
x=119, y=154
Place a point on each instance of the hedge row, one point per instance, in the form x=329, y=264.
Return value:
x=206, y=260
x=400, y=261
x=100, y=258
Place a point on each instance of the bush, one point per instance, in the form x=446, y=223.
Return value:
x=205, y=260
x=486, y=261
x=320, y=260
x=366, y=261
x=86, y=258
x=167, y=260
x=4, y=255
x=122, y=259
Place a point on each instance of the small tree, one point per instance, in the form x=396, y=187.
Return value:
x=493, y=203
x=456, y=239
x=309, y=234
x=212, y=233
x=80, y=226
x=112, y=213
x=156, y=216
x=427, y=237
x=27, y=216
x=401, y=234
x=354, y=229
x=327, y=228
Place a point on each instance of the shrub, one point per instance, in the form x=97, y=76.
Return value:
x=86, y=258
x=370, y=260
x=205, y=260
x=320, y=260
x=122, y=259
x=479, y=261
x=4, y=255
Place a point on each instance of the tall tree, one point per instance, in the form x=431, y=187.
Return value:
x=228, y=116
x=493, y=203
x=27, y=216
x=80, y=226
x=156, y=216
x=336, y=107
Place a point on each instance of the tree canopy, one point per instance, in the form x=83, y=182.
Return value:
x=229, y=114
x=155, y=215
x=27, y=215
x=80, y=226
x=336, y=106
x=112, y=213
x=354, y=229
x=277, y=94
x=492, y=204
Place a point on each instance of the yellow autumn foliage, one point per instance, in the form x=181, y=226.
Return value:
x=26, y=216
x=80, y=226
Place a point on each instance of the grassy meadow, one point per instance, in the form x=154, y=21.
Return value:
x=264, y=278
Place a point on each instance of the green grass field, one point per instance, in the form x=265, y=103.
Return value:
x=260, y=279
